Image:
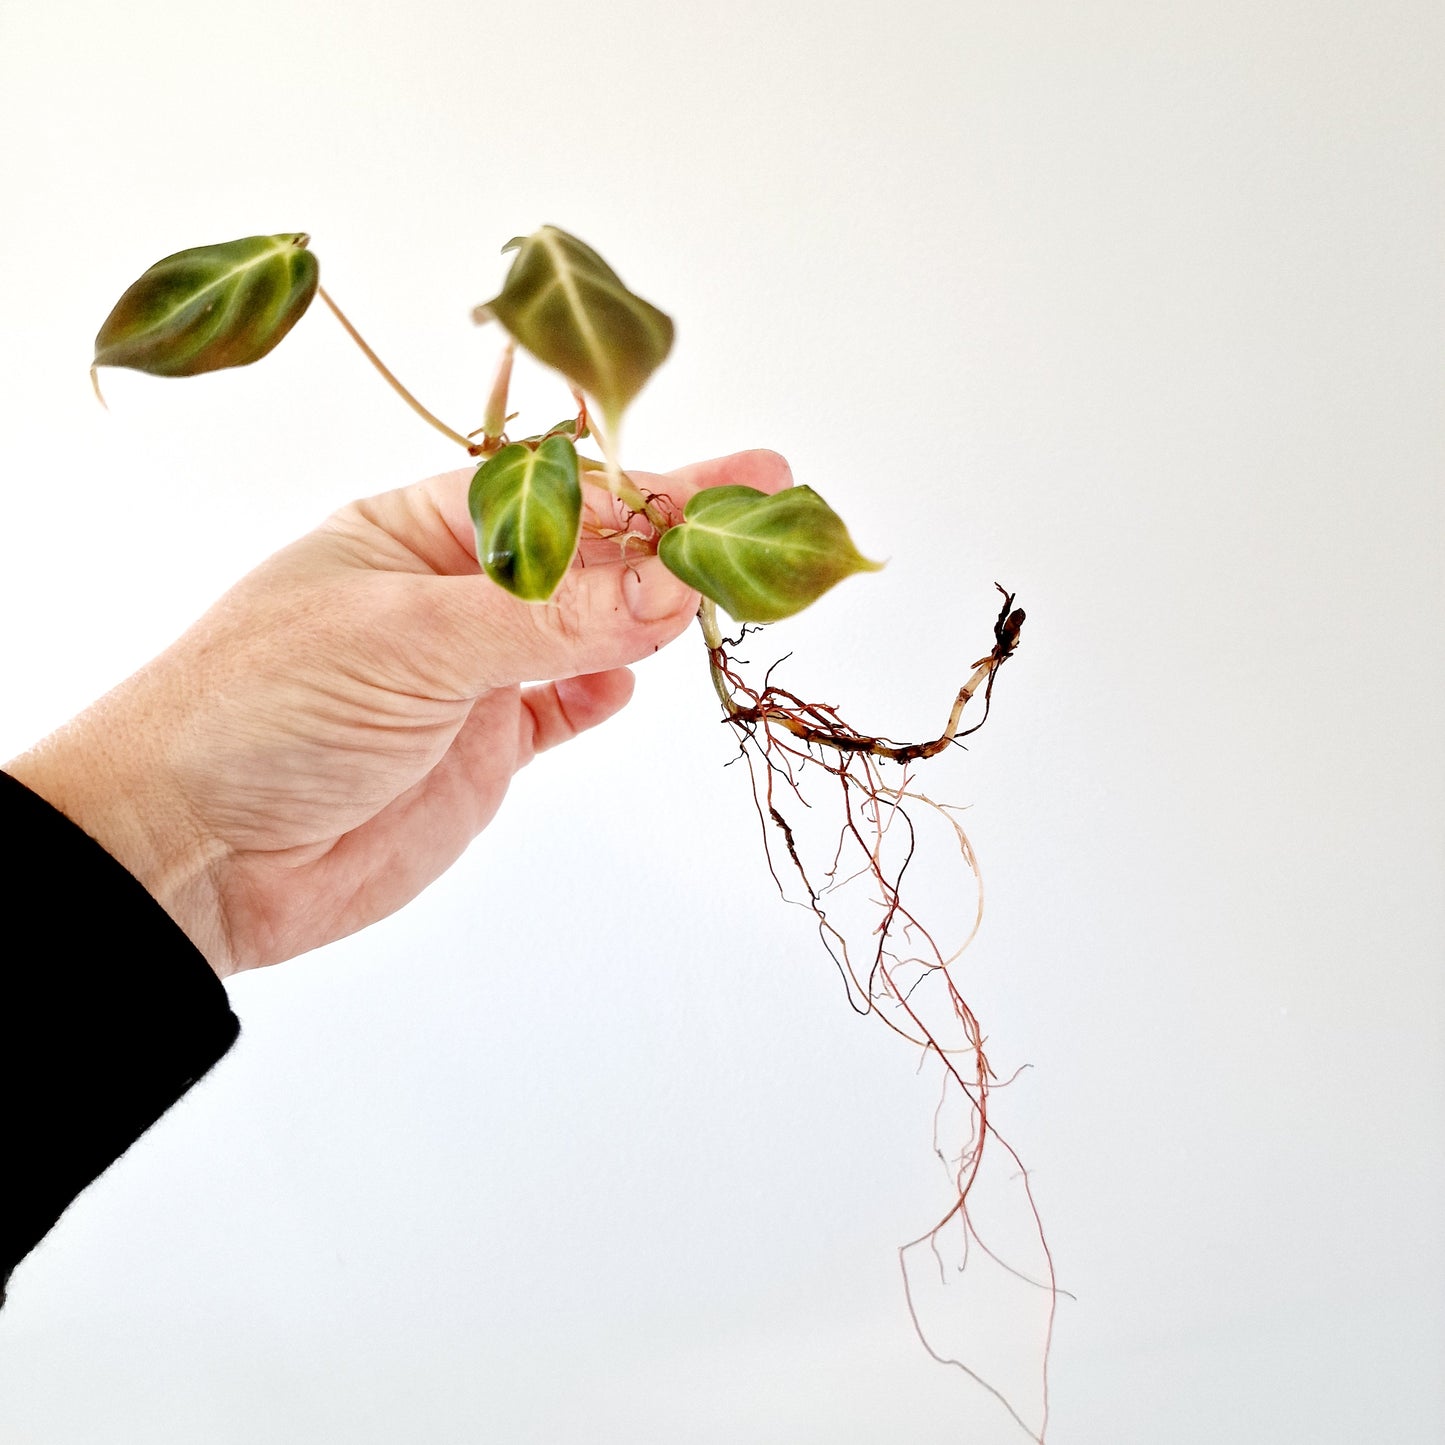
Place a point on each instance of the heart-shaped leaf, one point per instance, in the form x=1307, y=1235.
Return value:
x=761, y=557
x=566, y=305
x=210, y=307
x=526, y=505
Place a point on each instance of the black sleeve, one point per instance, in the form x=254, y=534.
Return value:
x=108, y=1014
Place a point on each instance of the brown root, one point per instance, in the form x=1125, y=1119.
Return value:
x=819, y=723
x=901, y=973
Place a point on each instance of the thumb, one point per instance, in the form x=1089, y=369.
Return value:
x=599, y=618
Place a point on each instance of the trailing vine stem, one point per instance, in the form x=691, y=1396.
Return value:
x=820, y=724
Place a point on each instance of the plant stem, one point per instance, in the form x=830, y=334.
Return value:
x=712, y=635
x=391, y=380
x=707, y=620
x=626, y=492
x=609, y=455
x=620, y=484
x=495, y=421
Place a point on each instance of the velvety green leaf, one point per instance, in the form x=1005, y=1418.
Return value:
x=566, y=305
x=526, y=505
x=210, y=307
x=566, y=428
x=761, y=557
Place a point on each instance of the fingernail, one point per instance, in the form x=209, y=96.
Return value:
x=652, y=592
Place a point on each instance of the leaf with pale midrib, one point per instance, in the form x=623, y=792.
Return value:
x=526, y=506
x=760, y=556
x=211, y=307
x=567, y=306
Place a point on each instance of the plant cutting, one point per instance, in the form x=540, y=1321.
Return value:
x=758, y=557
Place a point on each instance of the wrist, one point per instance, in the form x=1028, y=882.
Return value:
x=116, y=789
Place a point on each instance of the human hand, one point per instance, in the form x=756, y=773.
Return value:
x=331, y=735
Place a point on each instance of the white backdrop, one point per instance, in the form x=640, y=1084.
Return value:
x=1136, y=308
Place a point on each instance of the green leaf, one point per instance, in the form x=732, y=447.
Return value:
x=761, y=557
x=210, y=307
x=566, y=428
x=565, y=305
x=526, y=505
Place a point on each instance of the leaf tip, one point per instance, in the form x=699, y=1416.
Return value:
x=95, y=386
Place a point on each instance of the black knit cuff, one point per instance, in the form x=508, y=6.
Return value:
x=108, y=1014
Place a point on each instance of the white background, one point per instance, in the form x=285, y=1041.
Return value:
x=1135, y=307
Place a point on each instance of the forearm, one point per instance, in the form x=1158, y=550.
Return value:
x=111, y=777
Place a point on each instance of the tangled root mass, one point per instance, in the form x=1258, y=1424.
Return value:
x=901, y=974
